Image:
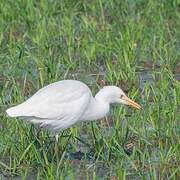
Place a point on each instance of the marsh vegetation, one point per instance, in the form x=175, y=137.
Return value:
x=131, y=44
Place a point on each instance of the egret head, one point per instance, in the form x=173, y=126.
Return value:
x=114, y=94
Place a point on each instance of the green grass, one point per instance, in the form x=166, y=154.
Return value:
x=98, y=42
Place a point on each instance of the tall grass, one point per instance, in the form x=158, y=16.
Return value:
x=98, y=42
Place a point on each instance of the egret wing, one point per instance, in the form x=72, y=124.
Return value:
x=70, y=113
x=55, y=101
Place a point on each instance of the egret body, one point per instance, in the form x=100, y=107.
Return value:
x=62, y=104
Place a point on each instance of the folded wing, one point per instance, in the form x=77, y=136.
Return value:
x=58, y=104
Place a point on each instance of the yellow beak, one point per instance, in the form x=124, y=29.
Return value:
x=131, y=102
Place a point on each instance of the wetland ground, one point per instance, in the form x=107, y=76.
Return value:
x=133, y=44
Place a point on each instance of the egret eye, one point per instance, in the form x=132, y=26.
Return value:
x=121, y=96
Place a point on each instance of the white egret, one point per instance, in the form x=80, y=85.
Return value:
x=62, y=104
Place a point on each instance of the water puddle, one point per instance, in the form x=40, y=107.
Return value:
x=144, y=78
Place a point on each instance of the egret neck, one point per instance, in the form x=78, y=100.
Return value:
x=98, y=107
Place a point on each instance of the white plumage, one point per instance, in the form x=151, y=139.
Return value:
x=64, y=103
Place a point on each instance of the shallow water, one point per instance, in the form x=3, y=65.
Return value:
x=144, y=78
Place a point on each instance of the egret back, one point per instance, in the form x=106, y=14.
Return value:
x=60, y=103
